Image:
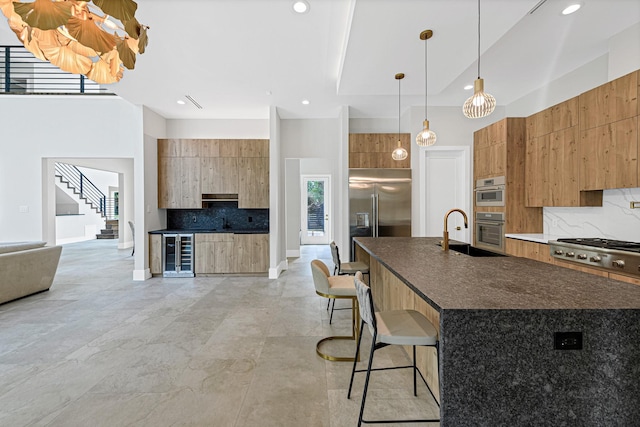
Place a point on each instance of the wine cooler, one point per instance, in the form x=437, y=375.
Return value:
x=177, y=255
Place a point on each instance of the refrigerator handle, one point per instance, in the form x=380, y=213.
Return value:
x=375, y=215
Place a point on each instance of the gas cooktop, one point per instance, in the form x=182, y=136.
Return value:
x=597, y=242
x=607, y=254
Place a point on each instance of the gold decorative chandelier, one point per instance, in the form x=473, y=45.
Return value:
x=96, y=38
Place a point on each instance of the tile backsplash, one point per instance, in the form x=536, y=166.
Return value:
x=224, y=214
x=614, y=220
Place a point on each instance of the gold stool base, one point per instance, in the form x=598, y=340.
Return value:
x=328, y=356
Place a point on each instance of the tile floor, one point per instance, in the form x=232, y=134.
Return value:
x=99, y=349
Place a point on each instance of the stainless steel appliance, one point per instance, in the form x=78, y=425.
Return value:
x=490, y=231
x=177, y=255
x=379, y=203
x=612, y=255
x=490, y=191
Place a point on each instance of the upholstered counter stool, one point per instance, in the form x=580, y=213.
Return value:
x=343, y=269
x=393, y=327
x=335, y=287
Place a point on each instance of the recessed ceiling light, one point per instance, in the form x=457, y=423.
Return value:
x=181, y=102
x=301, y=6
x=468, y=87
x=571, y=8
x=305, y=102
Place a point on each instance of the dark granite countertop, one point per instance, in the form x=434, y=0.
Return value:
x=450, y=280
x=246, y=231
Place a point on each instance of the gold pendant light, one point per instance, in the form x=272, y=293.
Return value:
x=400, y=153
x=426, y=137
x=481, y=104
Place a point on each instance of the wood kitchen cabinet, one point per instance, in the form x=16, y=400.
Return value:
x=250, y=253
x=609, y=135
x=609, y=156
x=499, y=150
x=490, y=151
x=373, y=150
x=188, y=168
x=179, y=182
x=253, y=183
x=155, y=253
x=552, y=159
x=214, y=253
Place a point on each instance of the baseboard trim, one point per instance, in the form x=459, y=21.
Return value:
x=274, y=273
x=292, y=253
x=141, y=275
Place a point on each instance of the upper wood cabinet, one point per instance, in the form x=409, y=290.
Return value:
x=611, y=102
x=373, y=150
x=188, y=168
x=179, y=182
x=490, y=151
x=253, y=183
x=609, y=155
x=609, y=137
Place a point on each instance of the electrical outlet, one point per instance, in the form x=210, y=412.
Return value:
x=567, y=340
x=250, y=219
x=554, y=222
x=195, y=219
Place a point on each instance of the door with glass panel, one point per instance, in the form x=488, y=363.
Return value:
x=315, y=220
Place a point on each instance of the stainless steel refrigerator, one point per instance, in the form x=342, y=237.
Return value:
x=379, y=203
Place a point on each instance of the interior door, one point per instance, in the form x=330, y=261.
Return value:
x=446, y=188
x=316, y=211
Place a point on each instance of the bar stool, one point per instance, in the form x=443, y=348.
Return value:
x=393, y=327
x=335, y=287
x=346, y=268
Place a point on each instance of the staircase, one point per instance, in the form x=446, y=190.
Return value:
x=111, y=230
x=82, y=187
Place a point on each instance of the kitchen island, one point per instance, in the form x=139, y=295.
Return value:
x=501, y=361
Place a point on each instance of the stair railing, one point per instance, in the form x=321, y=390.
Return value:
x=22, y=73
x=83, y=186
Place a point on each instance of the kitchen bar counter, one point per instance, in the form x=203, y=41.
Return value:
x=500, y=362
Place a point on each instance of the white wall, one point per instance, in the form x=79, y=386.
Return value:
x=624, y=52
x=293, y=202
x=277, y=228
x=54, y=127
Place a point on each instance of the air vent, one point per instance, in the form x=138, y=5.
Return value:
x=193, y=101
x=537, y=6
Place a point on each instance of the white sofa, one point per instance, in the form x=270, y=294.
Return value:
x=26, y=268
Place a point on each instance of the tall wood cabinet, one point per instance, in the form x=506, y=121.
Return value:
x=188, y=168
x=499, y=150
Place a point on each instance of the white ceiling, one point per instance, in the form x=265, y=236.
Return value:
x=238, y=57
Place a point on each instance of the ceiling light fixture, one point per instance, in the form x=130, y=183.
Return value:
x=96, y=38
x=181, y=102
x=305, y=102
x=400, y=153
x=481, y=104
x=571, y=8
x=301, y=6
x=468, y=87
x=426, y=137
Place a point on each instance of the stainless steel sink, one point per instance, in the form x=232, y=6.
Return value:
x=467, y=249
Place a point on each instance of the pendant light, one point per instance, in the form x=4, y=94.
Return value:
x=426, y=137
x=481, y=104
x=399, y=153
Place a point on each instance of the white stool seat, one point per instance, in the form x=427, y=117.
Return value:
x=405, y=327
x=342, y=286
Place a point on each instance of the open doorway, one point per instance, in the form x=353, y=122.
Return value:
x=316, y=209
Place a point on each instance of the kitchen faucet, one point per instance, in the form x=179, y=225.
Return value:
x=445, y=234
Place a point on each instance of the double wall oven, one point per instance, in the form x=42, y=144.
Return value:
x=490, y=223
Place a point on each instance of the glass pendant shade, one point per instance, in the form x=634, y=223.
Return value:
x=399, y=153
x=480, y=104
x=426, y=137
